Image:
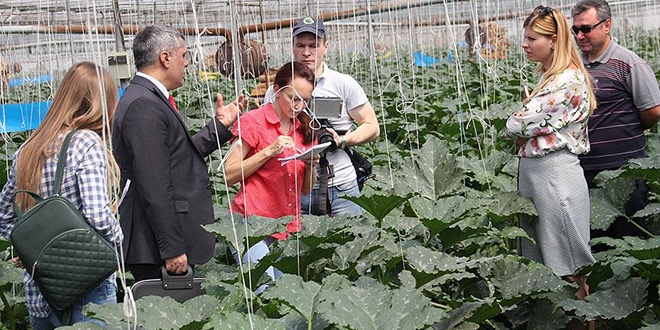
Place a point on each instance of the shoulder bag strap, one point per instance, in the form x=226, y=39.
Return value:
x=61, y=162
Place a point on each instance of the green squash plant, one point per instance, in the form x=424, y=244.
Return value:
x=436, y=246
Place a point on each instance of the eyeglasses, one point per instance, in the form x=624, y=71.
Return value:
x=547, y=10
x=586, y=28
x=296, y=99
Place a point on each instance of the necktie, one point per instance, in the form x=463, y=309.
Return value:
x=173, y=103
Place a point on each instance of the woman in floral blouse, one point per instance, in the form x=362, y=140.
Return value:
x=550, y=131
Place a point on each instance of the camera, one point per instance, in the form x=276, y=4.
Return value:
x=323, y=109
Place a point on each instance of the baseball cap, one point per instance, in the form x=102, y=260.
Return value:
x=309, y=24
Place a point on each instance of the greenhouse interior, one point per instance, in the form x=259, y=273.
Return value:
x=438, y=240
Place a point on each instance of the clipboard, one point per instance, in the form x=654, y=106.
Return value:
x=316, y=149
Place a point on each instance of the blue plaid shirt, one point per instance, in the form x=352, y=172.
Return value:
x=84, y=184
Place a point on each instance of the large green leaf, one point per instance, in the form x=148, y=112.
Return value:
x=87, y=326
x=545, y=315
x=10, y=274
x=649, y=269
x=485, y=170
x=648, y=210
x=455, y=234
x=322, y=228
x=446, y=208
x=427, y=265
x=436, y=226
x=235, y=231
x=435, y=172
x=513, y=233
x=636, y=168
x=648, y=168
x=425, y=260
x=378, y=205
x=158, y=312
x=510, y=203
x=515, y=279
x=372, y=307
x=240, y=321
x=4, y=244
x=294, y=292
x=402, y=224
x=644, y=249
x=603, y=211
x=487, y=309
x=639, y=248
x=615, y=303
x=346, y=255
x=457, y=317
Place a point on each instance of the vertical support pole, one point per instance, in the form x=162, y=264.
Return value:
x=372, y=45
x=118, y=27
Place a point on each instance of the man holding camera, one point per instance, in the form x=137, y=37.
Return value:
x=310, y=47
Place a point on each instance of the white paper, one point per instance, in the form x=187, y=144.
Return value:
x=315, y=149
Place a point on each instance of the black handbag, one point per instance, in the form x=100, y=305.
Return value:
x=64, y=255
x=362, y=166
x=177, y=287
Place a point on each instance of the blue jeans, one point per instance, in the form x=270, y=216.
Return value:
x=339, y=206
x=105, y=293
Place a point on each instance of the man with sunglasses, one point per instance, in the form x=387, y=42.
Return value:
x=628, y=102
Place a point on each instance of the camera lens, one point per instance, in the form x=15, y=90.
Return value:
x=325, y=136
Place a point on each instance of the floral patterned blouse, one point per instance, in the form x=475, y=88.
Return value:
x=553, y=119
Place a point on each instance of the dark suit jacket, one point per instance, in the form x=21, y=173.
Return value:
x=170, y=192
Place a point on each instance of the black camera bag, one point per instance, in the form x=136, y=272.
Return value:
x=362, y=166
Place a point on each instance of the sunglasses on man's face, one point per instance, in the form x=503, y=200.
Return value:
x=585, y=29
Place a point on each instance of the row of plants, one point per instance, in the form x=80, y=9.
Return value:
x=436, y=247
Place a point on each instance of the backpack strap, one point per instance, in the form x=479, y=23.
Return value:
x=61, y=162
x=59, y=173
x=17, y=209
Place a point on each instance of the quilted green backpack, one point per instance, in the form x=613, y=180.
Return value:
x=64, y=255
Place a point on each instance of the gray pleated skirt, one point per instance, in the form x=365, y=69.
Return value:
x=557, y=187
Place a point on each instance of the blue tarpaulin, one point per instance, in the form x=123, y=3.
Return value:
x=22, y=116
x=25, y=116
x=422, y=59
x=16, y=82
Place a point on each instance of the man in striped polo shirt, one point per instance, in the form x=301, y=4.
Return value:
x=628, y=103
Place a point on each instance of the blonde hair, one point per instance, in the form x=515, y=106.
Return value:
x=86, y=99
x=548, y=21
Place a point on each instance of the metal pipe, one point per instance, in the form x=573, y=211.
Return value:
x=105, y=29
x=340, y=15
x=227, y=33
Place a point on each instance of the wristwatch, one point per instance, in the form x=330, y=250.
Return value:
x=342, y=142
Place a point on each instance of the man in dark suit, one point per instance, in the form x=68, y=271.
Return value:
x=169, y=196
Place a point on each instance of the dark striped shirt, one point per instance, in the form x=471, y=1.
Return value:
x=624, y=85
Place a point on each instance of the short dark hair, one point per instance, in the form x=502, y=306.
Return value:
x=152, y=40
x=293, y=69
x=602, y=8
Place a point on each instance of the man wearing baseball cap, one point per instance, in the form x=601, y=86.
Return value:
x=310, y=46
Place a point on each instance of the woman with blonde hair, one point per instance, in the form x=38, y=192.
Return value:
x=85, y=101
x=550, y=132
